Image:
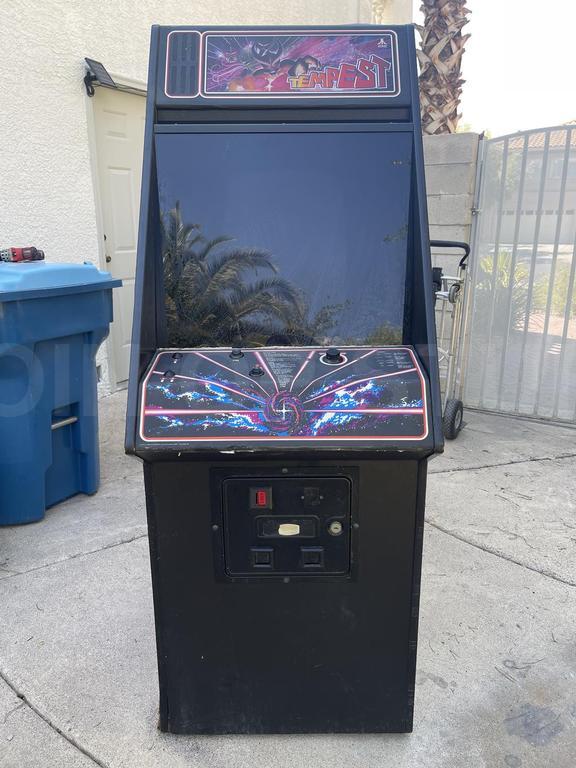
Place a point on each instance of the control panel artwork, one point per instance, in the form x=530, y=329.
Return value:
x=284, y=393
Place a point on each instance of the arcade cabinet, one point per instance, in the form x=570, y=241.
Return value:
x=284, y=395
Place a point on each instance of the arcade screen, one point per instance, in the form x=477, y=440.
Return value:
x=284, y=237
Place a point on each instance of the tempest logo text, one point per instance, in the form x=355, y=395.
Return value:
x=368, y=73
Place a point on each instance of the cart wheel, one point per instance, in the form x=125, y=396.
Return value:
x=453, y=293
x=452, y=421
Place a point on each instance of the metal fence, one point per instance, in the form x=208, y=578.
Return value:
x=521, y=349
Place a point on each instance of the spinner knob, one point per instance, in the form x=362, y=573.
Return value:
x=333, y=356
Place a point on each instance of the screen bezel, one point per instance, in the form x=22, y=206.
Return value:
x=306, y=127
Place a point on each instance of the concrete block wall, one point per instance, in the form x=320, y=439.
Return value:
x=450, y=161
x=450, y=164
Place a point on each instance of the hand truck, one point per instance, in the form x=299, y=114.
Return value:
x=450, y=290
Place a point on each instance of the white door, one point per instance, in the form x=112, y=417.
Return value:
x=119, y=129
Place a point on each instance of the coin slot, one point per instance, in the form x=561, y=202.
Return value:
x=276, y=527
x=288, y=529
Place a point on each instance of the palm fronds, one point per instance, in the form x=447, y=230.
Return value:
x=211, y=298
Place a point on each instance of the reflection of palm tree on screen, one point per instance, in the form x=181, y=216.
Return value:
x=211, y=300
x=209, y=296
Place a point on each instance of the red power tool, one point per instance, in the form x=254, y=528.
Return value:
x=28, y=253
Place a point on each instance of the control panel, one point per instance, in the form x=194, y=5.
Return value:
x=284, y=393
x=286, y=526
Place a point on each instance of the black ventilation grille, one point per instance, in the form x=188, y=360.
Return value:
x=182, y=64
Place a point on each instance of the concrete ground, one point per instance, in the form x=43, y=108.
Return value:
x=497, y=654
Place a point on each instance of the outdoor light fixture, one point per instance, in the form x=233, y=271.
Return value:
x=96, y=73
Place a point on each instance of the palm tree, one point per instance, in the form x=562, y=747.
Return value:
x=210, y=299
x=440, y=57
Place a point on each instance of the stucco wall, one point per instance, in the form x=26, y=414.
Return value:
x=46, y=190
x=392, y=11
x=46, y=194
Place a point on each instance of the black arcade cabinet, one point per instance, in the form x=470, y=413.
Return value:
x=284, y=394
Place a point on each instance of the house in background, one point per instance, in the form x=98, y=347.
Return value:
x=549, y=182
x=70, y=164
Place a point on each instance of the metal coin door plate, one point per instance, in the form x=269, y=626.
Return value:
x=286, y=526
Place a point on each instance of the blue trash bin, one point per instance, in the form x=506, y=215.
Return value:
x=53, y=318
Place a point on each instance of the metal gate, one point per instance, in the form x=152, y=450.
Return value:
x=521, y=351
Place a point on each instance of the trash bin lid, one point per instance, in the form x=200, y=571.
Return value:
x=28, y=280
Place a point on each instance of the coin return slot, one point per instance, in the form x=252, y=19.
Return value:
x=262, y=558
x=312, y=557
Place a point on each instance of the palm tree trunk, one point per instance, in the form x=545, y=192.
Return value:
x=440, y=57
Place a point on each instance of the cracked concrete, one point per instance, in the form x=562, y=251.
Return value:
x=490, y=440
x=495, y=682
x=27, y=741
x=523, y=511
